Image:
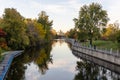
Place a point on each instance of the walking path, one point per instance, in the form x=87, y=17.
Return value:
x=109, y=56
x=5, y=64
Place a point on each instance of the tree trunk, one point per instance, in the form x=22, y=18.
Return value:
x=91, y=36
x=90, y=41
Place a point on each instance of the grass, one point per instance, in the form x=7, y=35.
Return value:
x=104, y=44
x=1, y=56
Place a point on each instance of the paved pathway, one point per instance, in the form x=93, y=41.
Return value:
x=5, y=64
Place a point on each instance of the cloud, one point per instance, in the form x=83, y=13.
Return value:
x=56, y=9
x=61, y=12
x=32, y=72
x=113, y=10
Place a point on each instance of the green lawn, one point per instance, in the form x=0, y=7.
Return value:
x=105, y=44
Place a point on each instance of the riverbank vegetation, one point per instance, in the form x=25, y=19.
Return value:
x=92, y=28
x=40, y=56
x=21, y=33
x=102, y=44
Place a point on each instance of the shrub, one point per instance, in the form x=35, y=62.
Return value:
x=0, y=52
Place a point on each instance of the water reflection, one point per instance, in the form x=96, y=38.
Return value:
x=90, y=71
x=17, y=70
x=38, y=57
x=91, y=68
x=55, y=61
x=63, y=67
x=87, y=71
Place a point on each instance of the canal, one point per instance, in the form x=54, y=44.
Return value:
x=56, y=61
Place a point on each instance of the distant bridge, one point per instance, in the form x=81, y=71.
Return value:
x=60, y=34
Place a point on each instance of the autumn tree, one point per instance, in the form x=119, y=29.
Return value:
x=1, y=22
x=72, y=33
x=91, y=17
x=35, y=32
x=111, y=32
x=15, y=28
x=53, y=33
x=44, y=20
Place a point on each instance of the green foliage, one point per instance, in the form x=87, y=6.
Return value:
x=15, y=28
x=104, y=44
x=39, y=28
x=104, y=30
x=21, y=32
x=82, y=36
x=89, y=71
x=111, y=32
x=1, y=23
x=1, y=56
x=72, y=34
x=35, y=32
x=118, y=36
x=90, y=18
x=41, y=58
x=0, y=51
x=2, y=40
x=44, y=20
x=53, y=34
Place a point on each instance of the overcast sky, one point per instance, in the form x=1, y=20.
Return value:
x=61, y=12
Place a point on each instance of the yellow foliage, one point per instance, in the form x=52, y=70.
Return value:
x=53, y=32
x=111, y=31
x=39, y=28
x=40, y=59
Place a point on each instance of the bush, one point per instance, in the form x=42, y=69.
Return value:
x=118, y=37
x=0, y=52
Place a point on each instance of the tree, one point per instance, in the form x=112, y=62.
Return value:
x=53, y=33
x=118, y=36
x=1, y=22
x=72, y=33
x=15, y=28
x=89, y=71
x=111, y=32
x=90, y=18
x=35, y=32
x=44, y=20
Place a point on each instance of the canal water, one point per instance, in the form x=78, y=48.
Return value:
x=56, y=61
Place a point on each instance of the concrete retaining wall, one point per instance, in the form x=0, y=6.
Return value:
x=100, y=55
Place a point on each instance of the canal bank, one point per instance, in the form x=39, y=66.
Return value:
x=109, y=56
x=6, y=62
x=110, y=66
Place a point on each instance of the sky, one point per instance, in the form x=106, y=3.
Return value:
x=62, y=12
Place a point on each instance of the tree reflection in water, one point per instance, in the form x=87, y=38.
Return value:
x=17, y=70
x=87, y=71
x=43, y=59
x=90, y=71
x=40, y=56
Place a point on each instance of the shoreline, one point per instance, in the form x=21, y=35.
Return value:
x=5, y=64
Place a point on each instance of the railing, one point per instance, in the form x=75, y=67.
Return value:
x=76, y=44
x=5, y=64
